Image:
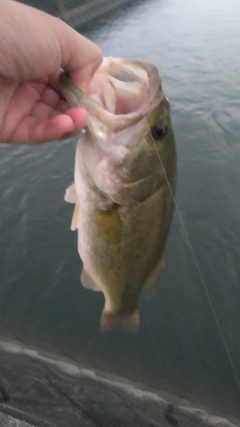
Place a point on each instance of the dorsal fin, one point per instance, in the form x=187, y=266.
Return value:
x=153, y=280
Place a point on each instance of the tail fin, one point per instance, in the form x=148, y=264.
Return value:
x=129, y=322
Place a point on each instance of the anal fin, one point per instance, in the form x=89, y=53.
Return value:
x=88, y=282
x=70, y=194
x=76, y=218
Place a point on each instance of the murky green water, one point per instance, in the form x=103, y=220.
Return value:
x=179, y=347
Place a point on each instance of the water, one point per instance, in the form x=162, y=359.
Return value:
x=178, y=348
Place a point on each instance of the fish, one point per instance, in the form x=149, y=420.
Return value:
x=124, y=184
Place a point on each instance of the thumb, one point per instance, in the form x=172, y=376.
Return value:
x=80, y=56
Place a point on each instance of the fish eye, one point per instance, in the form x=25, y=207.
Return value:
x=159, y=131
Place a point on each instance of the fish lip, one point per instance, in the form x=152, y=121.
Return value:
x=64, y=78
x=114, y=122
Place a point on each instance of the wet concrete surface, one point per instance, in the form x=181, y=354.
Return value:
x=36, y=391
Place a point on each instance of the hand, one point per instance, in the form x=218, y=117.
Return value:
x=35, y=47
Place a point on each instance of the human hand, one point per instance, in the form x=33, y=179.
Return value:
x=35, y=48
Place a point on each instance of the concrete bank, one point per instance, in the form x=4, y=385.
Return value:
x=77, y=15
x=46, y=392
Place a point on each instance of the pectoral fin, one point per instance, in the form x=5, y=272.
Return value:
x=70, y=194
x=152, y=281
x=109, y=226
x=88, y=282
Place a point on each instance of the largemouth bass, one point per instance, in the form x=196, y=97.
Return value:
x=125, y=174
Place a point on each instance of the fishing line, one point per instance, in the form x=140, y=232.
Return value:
x=196, y=262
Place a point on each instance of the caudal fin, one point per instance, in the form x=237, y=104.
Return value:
x=129, y=322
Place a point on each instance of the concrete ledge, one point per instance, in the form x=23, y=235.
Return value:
x=46, y=392
x=88, y=11
x=8, y=421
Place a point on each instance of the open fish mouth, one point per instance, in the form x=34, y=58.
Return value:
x=120, y=94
